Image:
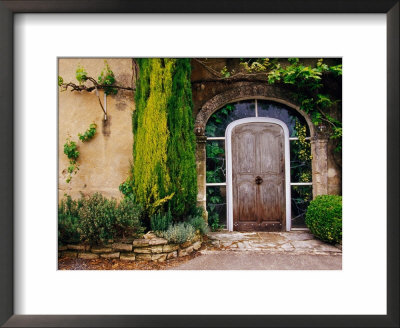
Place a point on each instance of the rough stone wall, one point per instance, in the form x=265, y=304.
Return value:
x=334, y=163
x=104, y=161
x=148, y=248
x=334, y=170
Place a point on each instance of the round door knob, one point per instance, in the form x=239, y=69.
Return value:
x=259, y=180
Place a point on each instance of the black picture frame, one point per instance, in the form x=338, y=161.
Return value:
x=7, y=11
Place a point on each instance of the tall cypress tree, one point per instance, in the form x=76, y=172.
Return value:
x=164, y=141
x=150, y=173
x=181, y=159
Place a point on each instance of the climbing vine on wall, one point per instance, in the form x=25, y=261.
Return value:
x=71, y=150
x=307, y=83
x=308, y=86
x=105, y=81
x=89, y=133
x=301, y=162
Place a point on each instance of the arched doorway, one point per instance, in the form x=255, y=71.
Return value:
x=259, y=209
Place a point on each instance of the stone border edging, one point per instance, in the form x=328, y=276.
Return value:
x=149, y=248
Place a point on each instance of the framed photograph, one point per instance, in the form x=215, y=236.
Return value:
x=237, y=115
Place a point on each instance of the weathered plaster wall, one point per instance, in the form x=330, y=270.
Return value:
x=105, y=160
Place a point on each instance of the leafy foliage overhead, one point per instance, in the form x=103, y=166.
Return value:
x=308, y=85
x=308, y=82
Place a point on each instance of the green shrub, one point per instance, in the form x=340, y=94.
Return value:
x=126, y=187
x=324, y=218
x=196, y=220
x=179, y=233
x=128, y=218
x=97, y=219
x=68, y=221
x=161, y=221
x=68, y=229
x=199, y=224
x=213, y=221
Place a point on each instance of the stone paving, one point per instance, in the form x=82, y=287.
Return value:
x=293, y=242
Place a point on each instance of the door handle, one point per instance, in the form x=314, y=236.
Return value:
x=259, y=180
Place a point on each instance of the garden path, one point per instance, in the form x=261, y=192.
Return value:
x=299, y=242
x=295, y=250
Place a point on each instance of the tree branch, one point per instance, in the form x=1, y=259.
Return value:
x=82, y=87
x=101, y=105
x=240, y=77
x=208, y=68
x=96, y=86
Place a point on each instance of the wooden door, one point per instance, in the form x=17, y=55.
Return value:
x=258, y=177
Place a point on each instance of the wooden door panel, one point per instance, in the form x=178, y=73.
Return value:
x=247, y=205
x=270, y=143
x=270, y=201
x=258, y=176
x=246, y=149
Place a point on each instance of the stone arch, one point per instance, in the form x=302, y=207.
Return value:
x=259, y=91
x=264, y=91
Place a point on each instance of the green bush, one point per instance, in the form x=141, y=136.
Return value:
x=68, y=221
x=196, y=220
x=213, y=221
x=324, y=218
x=179, y=233
x=161, y=221
x=126, y=187
x=97, y=219
x=128, y=218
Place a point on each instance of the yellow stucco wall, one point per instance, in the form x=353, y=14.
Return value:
x=104, y=161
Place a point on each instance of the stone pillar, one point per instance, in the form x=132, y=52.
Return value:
x=319, y=152
x=201, y=172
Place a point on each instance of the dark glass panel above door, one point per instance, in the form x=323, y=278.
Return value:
x=283, y=113
x=219, y=121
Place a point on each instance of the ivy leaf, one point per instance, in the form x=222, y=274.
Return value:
x=324, y=101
